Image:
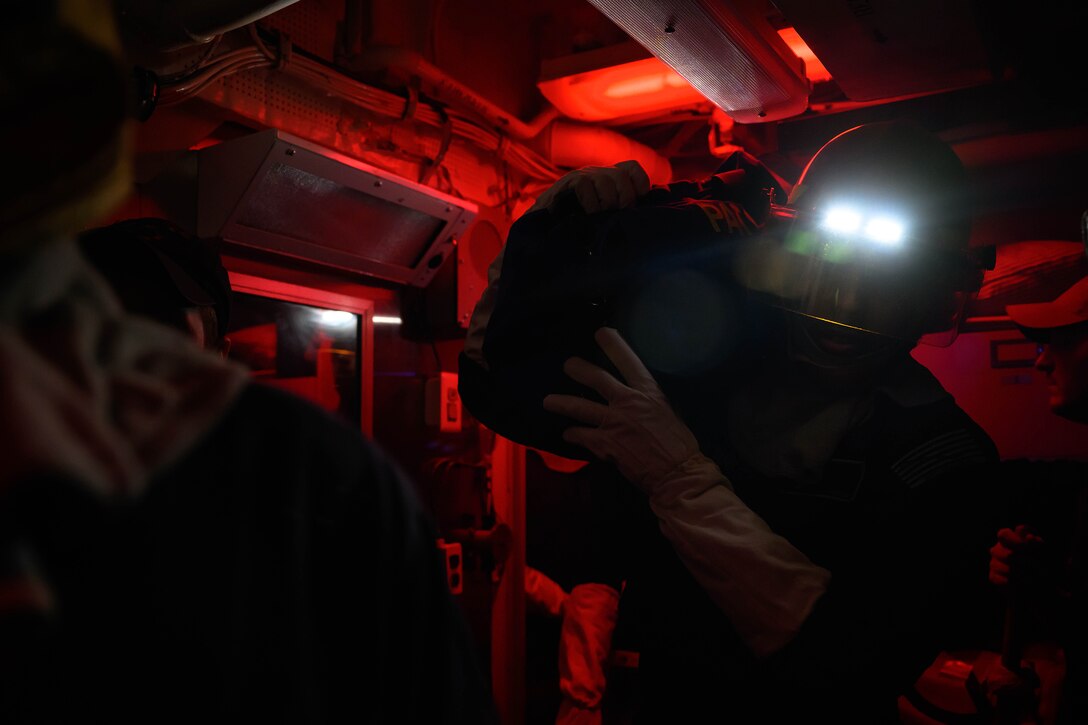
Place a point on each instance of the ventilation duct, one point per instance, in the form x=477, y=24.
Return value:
x=280, y=194
x=727, y=50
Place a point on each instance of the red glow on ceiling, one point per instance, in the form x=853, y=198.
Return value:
x=814, y=69
x=627, y=89
x=645, y=84
x=205, y=143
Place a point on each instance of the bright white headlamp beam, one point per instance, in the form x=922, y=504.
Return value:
x=842, y=219
x=885, y=230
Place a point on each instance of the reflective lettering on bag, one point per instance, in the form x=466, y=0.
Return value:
x=726, y=213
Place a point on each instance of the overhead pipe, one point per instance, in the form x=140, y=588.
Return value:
x=204, y=19
x=572, y=145
x=565, y=144
x=171, y=25
x=452, y=91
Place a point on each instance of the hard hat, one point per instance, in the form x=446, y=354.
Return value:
x=874, y=236
x=63, y=99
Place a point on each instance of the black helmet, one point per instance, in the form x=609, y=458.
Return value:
x=158, y=269
x=875, y=236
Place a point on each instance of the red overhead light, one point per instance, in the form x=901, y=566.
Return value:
x=642, y=85
x=814, y=69
x=727, y=50
x=626, y=89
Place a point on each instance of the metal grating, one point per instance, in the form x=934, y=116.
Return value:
x=312, y=25
x=280, y=97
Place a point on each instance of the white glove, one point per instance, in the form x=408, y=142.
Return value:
x=636, y=428
x=763, y=584
x=571, y=713
x=543, y=594
x=589, y=616
x=599, y=188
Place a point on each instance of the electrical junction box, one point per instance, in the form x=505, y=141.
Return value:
x=442, y=403
x=451, y=551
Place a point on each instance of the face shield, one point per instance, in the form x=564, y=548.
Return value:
x=873, y=243
x=862, y=266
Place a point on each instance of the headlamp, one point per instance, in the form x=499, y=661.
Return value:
x=841, y=219
x=864, y=266
x=853, y=222
x=885, y=230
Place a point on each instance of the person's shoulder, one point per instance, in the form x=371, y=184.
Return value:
x=267, y=409
x=940, y=439
x=279, y=426
x=928, y=436
x=262, y=399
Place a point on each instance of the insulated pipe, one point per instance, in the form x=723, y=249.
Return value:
x=565, y=144
x=572, y=145
x=204, y=19
x=452, y=91
x=170, y=24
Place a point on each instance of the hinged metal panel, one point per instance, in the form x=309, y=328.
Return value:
x=282, y=194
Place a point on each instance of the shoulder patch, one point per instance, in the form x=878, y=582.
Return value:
x=940, y=455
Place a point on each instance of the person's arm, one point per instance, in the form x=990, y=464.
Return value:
x=760, y=581
x=1015, y=558
x=585, y=642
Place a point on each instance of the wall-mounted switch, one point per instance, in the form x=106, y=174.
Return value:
x=443, y=403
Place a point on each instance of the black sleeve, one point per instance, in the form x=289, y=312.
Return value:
x=382, y=607
x=916, y=583
x=281, y=571
x=386, y=640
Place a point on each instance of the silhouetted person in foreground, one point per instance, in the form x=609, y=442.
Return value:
x=1044, y=562
x=177, y=545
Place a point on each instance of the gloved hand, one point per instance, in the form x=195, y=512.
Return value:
x=543, y=594
x=636, y=429
x=763, y=584
x=1016, y=558
x=599, y=188
x=589, y=617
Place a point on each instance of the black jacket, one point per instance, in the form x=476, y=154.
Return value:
x=281, y=572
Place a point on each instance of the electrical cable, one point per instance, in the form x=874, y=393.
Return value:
x=448, y=120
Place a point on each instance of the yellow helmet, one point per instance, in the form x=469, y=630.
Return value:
x=63, y=99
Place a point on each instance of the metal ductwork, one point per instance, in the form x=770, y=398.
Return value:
x=280, y=194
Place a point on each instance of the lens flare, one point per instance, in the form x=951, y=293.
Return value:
x=885, y=230
x=842, y=219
